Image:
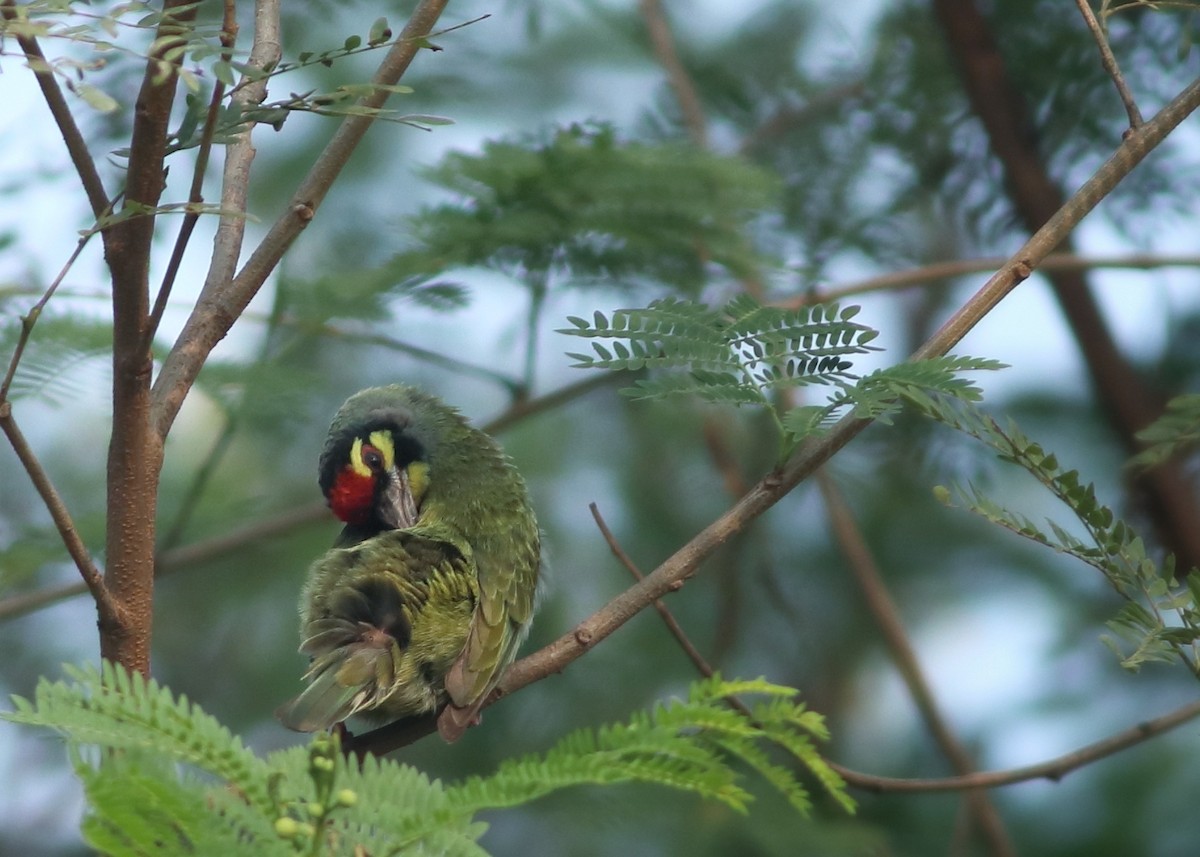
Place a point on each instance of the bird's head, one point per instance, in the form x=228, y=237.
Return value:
x=374, y=470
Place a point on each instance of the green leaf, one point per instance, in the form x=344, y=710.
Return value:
x=97, y=99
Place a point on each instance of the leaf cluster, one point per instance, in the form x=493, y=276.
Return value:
x=1160, y=617
x=585, y=205
x=745, y=353
x=184, y=782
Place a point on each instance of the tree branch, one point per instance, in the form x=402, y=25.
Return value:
x=663, y=43
x=93, y=581
x=1169, y=499
x=77, y=148
x=1109, y=61
x=959, y=267
x=229, y=28
x=559, y=654
x=1054, y=769
x=689, y=648
x=135, y=452
x=222, y=301
x=887, y=616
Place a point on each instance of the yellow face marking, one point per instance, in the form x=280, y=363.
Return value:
x=381, y=440
x=418, y=480
x=356, y=460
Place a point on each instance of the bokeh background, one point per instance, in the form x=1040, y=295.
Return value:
x=859, y=113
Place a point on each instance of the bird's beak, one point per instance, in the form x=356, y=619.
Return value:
x=397, y=508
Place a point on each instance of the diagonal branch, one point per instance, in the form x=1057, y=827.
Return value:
x=681, y=565
x=663, y=42
x=109, y=609
x=887, y=616
x=222, y=301
x=1131, y=406
x=1109, y=61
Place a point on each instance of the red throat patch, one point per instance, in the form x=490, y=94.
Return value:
x=352, y=496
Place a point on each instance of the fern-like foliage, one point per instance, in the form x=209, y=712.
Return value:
x=1176, y=431
x=744, y=353
x=1160, y=619
x=182, y=784
x=687, y=744
x=585, y=206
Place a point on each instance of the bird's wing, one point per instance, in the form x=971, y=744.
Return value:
x=498, y=627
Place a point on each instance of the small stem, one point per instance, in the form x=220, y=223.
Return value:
x=1109, y=61
x=110, y=611
x=30, y=319
x=887, y=617
x=229, y=30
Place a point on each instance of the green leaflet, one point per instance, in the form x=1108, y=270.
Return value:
x=311, y=800
x=744, y=353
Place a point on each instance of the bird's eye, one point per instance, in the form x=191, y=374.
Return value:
x=372, y=457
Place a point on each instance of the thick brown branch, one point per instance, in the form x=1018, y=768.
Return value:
x=221, y=302
x=1053, y=769
x=135, y=452
x=1131, y=405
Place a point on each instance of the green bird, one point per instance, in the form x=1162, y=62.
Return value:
x=429, y=589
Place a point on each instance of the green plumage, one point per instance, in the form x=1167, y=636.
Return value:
x=398, y=622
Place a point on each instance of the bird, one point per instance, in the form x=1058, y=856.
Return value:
x=429, y=589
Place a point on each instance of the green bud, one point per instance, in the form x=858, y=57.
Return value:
x=316, y=810
x=306, y=830
x=286, y=828
x=320, y=763
x=347, y=797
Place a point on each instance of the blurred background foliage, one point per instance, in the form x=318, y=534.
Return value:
x=839, y=144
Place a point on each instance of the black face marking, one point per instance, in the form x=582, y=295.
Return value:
x=377, y=603
x=336, y=454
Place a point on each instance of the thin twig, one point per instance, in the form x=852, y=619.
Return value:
x=512, y=385
x=790, y=116
x=927, y=274
x=1053, y=769
x=35, y=312
x=77, y=148
x=887, y=616
x=222, y=301
x=110, y=611
x=229, y=30
x=180, y=558
x=689, y=648
x=663, y=43
x=1109, y=61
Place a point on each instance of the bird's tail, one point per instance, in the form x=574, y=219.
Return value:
x=343, y=681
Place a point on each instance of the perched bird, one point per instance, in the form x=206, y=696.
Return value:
x=429, y=589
